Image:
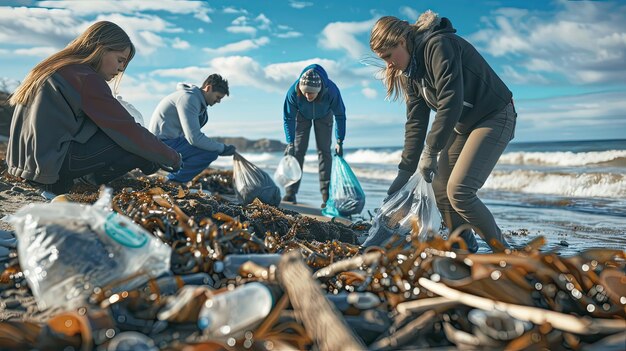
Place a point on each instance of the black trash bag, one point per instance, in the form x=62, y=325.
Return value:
x=251, y=182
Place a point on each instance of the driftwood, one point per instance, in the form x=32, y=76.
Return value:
x=325, y=325
x=539, y=316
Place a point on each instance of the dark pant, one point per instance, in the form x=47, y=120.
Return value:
x=195, y=160
x=464, y=166
x=323, y=128
x=100, y=158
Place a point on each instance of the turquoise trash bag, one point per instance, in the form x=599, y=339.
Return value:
x=412, y=210
x=346, y=197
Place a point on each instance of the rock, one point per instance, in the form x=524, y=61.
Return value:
x=246, y=145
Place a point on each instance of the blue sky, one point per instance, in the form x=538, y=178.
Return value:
x=565, y=61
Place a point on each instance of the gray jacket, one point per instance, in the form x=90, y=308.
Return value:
x=70, y=106
x=449, y=76
x=182, y=114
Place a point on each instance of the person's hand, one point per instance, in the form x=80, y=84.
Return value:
x=401, y=179
x=428, y=164
x=229, y=150
x=290, y=150
x=339, y=148
x=175, y=168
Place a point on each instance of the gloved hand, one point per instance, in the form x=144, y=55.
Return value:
x=339, y=148
x=428, y=164
x=290, y=150
x=175, y=168
x=401, y=179
x=229, y=150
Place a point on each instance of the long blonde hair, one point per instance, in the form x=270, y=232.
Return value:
x=88, y=48
x=386, y=35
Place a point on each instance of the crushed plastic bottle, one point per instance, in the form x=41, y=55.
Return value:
x=231, y=263
x=232, y=313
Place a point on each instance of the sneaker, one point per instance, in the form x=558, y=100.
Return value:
x=289, y=198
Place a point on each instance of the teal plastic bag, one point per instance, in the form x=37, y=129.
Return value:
x=345, y=196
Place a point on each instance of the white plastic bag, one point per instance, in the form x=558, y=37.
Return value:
x=67, y=249
x=410, y=210
x=288, y=171
x=132, y=110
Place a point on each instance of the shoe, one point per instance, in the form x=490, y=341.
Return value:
x=290, y=198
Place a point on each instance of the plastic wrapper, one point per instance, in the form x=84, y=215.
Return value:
x=132, y=110
x=345, y=195
x=411, y=210
x=67, y=249
x=251, y=182
x=288, y=171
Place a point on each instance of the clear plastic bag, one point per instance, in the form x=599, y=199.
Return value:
x=411, y=210
x=132, y=110
x=251, y=182
x=67, y=249
x=346, y=197
x=288, y=171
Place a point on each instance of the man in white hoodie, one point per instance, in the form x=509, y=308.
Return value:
x=177, y=121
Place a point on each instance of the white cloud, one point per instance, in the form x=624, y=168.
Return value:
x=516, y=77
x=239, y=46
x=290, y=34
x=35, y=26
x=598, y=115
x=276, y=78
x=241, y=30
x=342, y=36
x=240, y=25
x=299, y=4
x=233, y=10
x=585, y=42
x=178, y=43
x=198, y=9
x=410, y=14
x=264, y=22
x=240, y=21
x=369, y=93
x=38, y=51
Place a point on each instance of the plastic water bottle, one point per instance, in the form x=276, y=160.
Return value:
x=131, y=340
x=232, y=313
x=231, y=263
x=354, y=302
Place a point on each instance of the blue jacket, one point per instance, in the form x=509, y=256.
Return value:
x=329, y=100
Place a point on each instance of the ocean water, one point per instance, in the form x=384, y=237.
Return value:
x=573, y=193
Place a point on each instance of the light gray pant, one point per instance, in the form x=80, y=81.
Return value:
x=464, y=166
x=323, y=128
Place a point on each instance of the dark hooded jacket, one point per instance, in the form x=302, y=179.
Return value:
x=328, y=100
x=446, y=74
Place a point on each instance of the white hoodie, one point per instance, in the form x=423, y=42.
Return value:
x=182, y=114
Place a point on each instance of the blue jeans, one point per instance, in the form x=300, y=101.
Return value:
x=195, y=160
